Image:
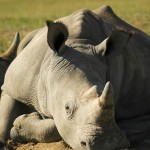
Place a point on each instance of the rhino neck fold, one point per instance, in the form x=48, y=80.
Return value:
x=77, y=41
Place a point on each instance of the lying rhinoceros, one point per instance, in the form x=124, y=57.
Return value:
x=7, y=57
x=87, y=76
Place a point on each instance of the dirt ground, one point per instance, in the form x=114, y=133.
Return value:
x=62, y=146
x=39, y=146
x=58, y=146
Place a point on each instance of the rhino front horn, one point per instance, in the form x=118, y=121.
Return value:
x=106, y=102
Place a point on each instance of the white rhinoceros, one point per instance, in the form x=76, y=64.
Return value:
x=87, y=76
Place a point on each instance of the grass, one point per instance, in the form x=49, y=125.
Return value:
x=26, y=15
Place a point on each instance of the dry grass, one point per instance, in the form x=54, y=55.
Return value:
x=26, y=15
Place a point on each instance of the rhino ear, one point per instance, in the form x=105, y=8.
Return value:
x=114, y=44
x=57, y=35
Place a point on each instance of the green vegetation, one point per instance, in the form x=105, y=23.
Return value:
x=27, y=15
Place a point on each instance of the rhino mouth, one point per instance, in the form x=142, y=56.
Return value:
x=96, y=137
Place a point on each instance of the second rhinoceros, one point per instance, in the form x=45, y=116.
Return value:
x=7, y=57
x=87, y=76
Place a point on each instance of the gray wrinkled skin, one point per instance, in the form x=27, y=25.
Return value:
x=88, y=79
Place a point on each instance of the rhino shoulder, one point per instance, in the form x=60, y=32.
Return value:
x=22, y=75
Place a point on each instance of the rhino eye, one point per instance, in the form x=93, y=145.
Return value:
x=69, y=109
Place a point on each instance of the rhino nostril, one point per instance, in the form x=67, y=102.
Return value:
x=83, y=144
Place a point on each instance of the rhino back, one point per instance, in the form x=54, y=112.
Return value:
x=113, y=22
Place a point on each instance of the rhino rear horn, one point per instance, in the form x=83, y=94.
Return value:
x=57, y=35
x=11, y=53
x=92, y=92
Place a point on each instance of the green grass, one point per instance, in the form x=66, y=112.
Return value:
x=27, y=15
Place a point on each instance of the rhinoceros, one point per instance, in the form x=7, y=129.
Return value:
x=7, y=57
x=86, y=78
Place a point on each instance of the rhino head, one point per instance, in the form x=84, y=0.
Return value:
x=83, y=102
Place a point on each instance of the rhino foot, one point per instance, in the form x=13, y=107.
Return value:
x=32, y=128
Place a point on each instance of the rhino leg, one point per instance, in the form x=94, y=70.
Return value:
x=10, y=109
x=7, y=115
x=32, y=128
